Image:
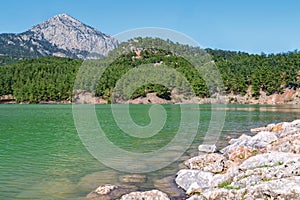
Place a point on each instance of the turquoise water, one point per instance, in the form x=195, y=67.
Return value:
x=42, y=156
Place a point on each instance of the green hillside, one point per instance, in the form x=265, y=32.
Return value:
x=41, y=79
x=52, y=78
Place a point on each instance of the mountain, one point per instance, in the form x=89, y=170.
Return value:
x=62, y=36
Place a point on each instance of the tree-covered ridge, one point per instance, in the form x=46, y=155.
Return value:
x=7, y=60
x=52, y=78
x=269, y=73
x=42, y=79
x=156, y=57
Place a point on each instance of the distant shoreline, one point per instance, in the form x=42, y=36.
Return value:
x=289, y=96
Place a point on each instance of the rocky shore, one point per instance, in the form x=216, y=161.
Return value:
x=264, y=166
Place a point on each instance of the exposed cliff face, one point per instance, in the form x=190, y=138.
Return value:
x=60, y=35
x=289, y=96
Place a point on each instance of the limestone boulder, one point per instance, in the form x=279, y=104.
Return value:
x=110, y=192
x=148, y=195
x=212, y=162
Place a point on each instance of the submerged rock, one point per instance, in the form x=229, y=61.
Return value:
x=93, y=180
x=133, y=178
x=53, y=188
x=148, y=195
x=110, y=192
x=168, y=185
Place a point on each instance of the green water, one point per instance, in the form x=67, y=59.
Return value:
x=42, y=156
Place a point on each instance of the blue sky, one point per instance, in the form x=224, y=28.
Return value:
x=253, y=26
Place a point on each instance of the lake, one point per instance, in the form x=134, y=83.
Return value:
x=43, y=157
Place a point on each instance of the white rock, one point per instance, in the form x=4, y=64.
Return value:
x=260, y=140
x=288, y=188
x=212, y=162
x=207, y=148
x=269, y=159
x=196, y=197
x=105, y=189
x=148, y=195
x=186, y=177
x=194, y=187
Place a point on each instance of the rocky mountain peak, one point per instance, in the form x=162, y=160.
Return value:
x=61, y=35
x=70, y=34
x=59, y=20
x=64, y=16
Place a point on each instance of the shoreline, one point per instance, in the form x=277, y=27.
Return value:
x=263, y=166
x=289, y=96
